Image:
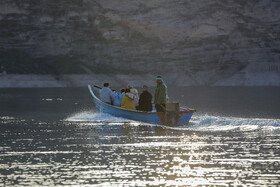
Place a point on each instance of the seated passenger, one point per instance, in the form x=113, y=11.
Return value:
x=118, y=97
x=106, y=94
x=128, y=100
x=145, y=100
x=136, y=96
x=115, y=93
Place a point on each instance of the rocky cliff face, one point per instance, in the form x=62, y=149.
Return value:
x=202, y=42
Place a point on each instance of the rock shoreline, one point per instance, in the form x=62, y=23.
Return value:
x=73, y=80
x=121, y=80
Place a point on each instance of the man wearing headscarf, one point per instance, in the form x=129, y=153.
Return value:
x=160, y=95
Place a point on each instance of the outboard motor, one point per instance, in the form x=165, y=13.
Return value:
x=171, y=113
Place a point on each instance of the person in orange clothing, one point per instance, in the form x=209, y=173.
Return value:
x=128, y=100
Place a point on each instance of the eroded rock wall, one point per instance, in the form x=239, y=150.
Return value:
x=202, y=42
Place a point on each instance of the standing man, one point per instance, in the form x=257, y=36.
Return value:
x=160, y=95
x=145, y=100
x=106, y=94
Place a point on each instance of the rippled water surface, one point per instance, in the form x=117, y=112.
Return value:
x=54, y=137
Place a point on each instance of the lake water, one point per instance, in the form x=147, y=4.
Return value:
x=55, y=137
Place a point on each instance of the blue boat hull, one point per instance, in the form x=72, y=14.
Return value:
x=149, y=117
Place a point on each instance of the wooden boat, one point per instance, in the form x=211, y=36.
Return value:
x=181, y=117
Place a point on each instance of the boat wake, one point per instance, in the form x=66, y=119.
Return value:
x=197, y=123
x=95, y=117
x=219, y=123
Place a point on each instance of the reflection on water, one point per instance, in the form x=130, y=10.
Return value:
x=120, y=152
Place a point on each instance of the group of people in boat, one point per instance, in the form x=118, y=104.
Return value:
x=128, y=98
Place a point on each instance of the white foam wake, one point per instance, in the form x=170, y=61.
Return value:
x=197, y=123
x=218, y=123
x=95, y=117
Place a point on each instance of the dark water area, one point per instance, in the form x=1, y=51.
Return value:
x=58, y=103
x=54, y=136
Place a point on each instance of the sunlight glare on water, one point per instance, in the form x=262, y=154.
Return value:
x=89, y=148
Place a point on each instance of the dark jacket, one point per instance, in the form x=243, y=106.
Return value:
x=145, y=101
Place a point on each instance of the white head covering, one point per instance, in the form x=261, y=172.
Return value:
x=133, y=90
